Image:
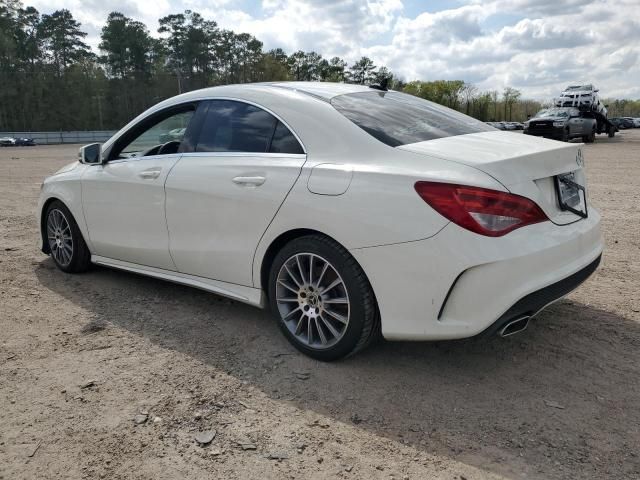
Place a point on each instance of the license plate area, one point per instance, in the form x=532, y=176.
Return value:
x=572, y=196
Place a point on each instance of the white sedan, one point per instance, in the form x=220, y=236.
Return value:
x=349, y=211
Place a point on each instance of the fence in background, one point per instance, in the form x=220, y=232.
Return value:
x=49, y=138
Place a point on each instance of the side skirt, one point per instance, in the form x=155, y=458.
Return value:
x=252, y=296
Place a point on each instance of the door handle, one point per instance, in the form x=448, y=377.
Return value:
x=150, y=174
x=249, y=181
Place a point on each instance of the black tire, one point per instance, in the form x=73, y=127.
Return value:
x=589, y=138
x=80, y=258
x=612, y=131
x=565, y=135
x=363, y=326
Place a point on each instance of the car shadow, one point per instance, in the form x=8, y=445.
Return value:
x=558, y=399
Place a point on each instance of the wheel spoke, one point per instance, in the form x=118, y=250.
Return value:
x=309, y=331
x=330, y=327
x=300, y=269
x=324, y=269
x=300, y=324
x=292, y=276
x=64, y=254
x=291, y=313
x=323, y=338
x=289, y=300
x=333, y=284
x=337, y=316
x=310, y=269
x=288, y=287
x=340, y=300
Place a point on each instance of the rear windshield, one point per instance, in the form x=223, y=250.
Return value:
x=399, y=119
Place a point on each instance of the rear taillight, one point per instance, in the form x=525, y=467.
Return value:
x=487, y=212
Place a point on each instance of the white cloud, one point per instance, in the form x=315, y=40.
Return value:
x=537, y=46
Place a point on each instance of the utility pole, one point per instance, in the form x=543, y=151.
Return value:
x=179, y=85
x=99, y=99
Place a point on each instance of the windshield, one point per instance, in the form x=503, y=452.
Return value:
x=579, y=87
x=552, y=112
x=399, y=119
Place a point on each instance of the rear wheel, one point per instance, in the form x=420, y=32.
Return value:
x=612, y=131
x=68, y=249
x=322, y=299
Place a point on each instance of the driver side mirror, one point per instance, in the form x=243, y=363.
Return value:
x=90, y=154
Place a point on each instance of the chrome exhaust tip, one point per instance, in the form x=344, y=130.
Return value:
x=514, y=326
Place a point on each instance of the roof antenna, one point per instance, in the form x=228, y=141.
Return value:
x=382, y=85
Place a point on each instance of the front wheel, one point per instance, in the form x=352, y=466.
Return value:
x=589, y=138
x=68, y=249
x=322, y=299
x=565, y=135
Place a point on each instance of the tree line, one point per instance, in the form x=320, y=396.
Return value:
x=50, y=79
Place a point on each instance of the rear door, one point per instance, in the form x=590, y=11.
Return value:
x=221, y=198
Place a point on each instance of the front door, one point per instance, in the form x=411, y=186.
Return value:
x=123, y=199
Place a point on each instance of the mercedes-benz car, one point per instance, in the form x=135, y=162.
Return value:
x=351, y=212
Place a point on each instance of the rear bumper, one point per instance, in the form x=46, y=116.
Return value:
x=534, y=302
x=458, y=284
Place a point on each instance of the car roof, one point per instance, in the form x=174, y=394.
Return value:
x=321, y=90
x=325, y=90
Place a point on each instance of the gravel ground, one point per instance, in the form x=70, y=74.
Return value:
x=112, y=375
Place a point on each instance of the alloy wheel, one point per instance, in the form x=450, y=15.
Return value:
x=59, y=237
x=312, y=300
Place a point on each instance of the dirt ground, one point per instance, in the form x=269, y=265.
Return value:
x=112, y=375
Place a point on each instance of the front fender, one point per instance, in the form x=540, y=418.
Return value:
x=65, y=186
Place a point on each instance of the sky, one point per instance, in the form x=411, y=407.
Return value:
x=536, y=46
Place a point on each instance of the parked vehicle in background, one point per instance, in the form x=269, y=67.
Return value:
x=24, y=142
x=634, y=121
x=172, y=135
x=348, y=211
x=581, y=96
x=563, y=123
x=7, y=141
x=622, y=123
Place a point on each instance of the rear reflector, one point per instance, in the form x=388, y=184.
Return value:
x=481, y=210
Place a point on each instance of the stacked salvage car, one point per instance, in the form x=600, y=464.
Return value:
x=583, y=97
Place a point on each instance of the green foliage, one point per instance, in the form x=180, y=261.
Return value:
x=51, y=80
x=444, y=92
x=363, y=71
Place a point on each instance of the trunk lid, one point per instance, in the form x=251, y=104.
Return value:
x=525, y=165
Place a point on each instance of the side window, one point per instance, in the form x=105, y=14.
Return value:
x=235, y=127
x=232, y=126
x=284, y=142
x=154, y=135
